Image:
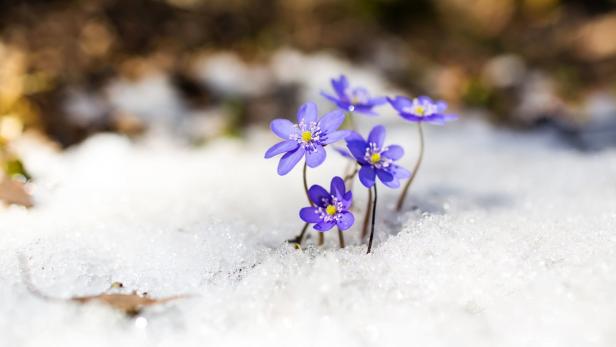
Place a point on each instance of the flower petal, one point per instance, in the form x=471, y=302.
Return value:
x=335, y=136
x=395, y=183
x=357, y=148
x=310, y=215
x=400, y=102
x=400, y=172
x=319, y=195
x=378, y=101
x=384, y=176
x=337, y=187
x=316, y=157
x=367, y=176
x=377, y=136
x=307, y=113
x=330, y=97
x=283, y=128
x=393, y=152
x=340, y=86
x=324, y=226
x=346, y=220
x=281, y=147
x=331, y=121
x=289, y=160
x=347, y=200
x=343, y=152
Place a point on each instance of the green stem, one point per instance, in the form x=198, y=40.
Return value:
x=402, y=197
x=373, y=219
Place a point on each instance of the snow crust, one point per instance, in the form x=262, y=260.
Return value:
x=507, y=240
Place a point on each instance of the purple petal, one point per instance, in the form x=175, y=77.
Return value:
x=283, y=128
x=393, y=152
x=384, y=176
x=367, y=176
x=335, y=136
x=310, y=215
x=340, y=86
x=357, y=148
x=337, y=187
x=324, y=226
x=307, y=113
x=319, y=195
x=316, y=157
x=343, y=152
x=347, y=200
x=346, y=220
x=377, y=136
x=400, y=102
x=392, y=184
x=281, y=147
x=441, y=106
x=331, y=121
x=400, y=172
x=289, y=160
x=329, y=97
x=364, y=110
x=411, y=117
x=425, y=100
x=378, y=101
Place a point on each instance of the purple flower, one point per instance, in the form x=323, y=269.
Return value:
x=421, y=109
x=353, y=99
x=377, y=160
x=330, y=208
x=305, y=138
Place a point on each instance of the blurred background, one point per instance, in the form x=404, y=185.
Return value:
x=209, y=68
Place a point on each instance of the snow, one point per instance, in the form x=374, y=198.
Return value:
x=508, y=239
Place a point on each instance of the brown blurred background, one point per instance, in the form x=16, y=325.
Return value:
x=74, y=68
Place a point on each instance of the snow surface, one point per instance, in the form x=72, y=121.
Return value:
x=507, y=240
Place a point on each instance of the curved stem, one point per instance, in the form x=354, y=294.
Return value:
x=364, y=229
x=341, y=238
x=373, y=218
x=402, y=197
x=299, y=238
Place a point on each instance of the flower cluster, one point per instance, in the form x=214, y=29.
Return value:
x=371, y=157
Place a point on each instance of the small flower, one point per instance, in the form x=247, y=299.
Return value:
x=377, y=160
x=421, y=109
x=305, y=138
x=353, y=99
x=330, y=208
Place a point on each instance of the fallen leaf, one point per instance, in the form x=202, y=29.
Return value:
x=130, y=304
x=14, y=193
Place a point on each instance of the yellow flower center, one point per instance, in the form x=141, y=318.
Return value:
x=306, y=136
x=331, y=210
x=420, y=110
x=375, y=158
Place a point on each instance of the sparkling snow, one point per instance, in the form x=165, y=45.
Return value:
x=508, y=239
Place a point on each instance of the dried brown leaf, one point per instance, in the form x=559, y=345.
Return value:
x=14, y=193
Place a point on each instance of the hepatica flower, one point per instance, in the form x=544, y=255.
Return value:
x=330, y=208
x=306, y=138
x=377, y=160
x=353, y=99
x=421, y=109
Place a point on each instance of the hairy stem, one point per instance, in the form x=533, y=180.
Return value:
x=373, y=219
x=321, y=239
x=341, y=238
x=364, y=229
x=402, y=197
